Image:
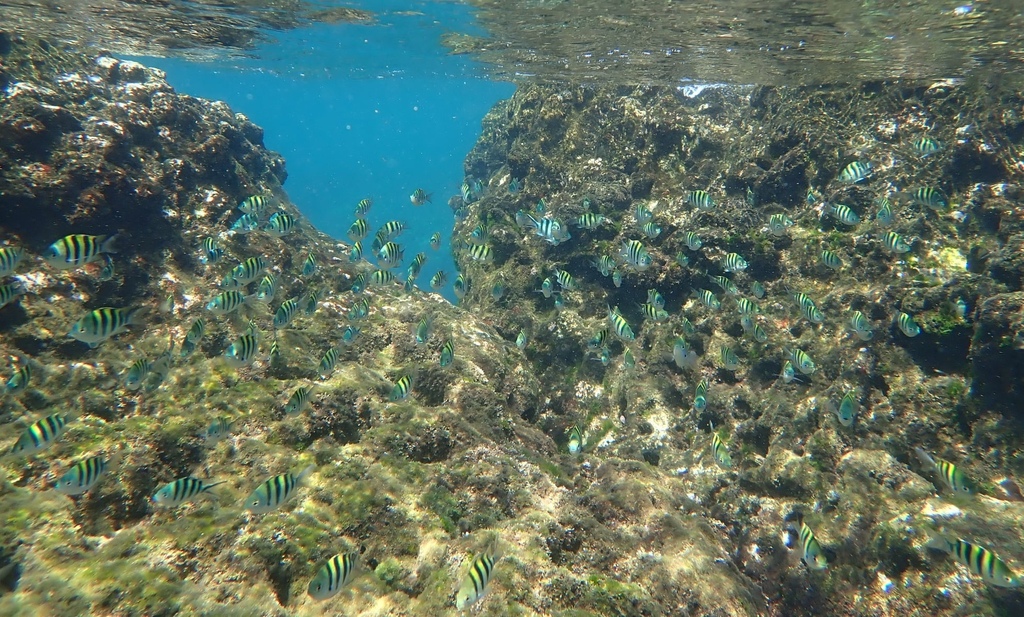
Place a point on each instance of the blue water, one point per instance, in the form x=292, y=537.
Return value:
x=363, y=110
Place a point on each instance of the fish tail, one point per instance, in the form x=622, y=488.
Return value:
x=109, y=244
x=304, y=473
x=925, y=457
x=938, y=541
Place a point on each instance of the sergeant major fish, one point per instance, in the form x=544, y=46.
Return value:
x=77, y=250
x=274, y=491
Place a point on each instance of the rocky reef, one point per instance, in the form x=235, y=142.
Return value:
x=643, y=520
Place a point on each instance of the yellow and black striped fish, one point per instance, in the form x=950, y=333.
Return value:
x=978, y=559
x=243, y=351
x=475, y=584
x=181, y=490
x=333, y=575
x=286, y=313
x=950, y=474
x=810, y=550
x=10, y=256
x=41, y=434
x=78, y=250
x=720, y=451
x=279, y=224
x=82, y=476
x=274, y=491
x=100, y=324
x=328, y=361
x=401, y=389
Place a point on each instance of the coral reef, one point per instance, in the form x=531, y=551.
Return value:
x=643, y=521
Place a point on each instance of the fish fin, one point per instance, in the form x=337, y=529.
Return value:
x=924, y=457
x=304, y=473
x=137, y=316
x=108, y=244
x=938, y=541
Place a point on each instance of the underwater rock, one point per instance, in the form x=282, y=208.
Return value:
x=997, y=352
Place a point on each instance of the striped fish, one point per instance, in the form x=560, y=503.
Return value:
x=565, y=280
x=753, y=328
x=720, y=452
x=357, y=230
x=447, y=353
x=401, y=389
x=802, y=361
x=212, y=252
x=844, y=214
x=390, y=255
x=475, y=584
x=950, y=474
x=333, y=575
x=309, y=265
x=653, y=313
x=227, y=302
x=924, y=146
x=41, y=434
x=700, y=200
x=382, y=277
x=734, y=263
x=634, y=255
x=747, y=307
x=576, y=440
x=757, y=288
x=830, y=259
x=460, y=286
x=435, y=240
x=100, y=324
x=299, y=400
x=894, y=243
x=907, y=325
x=861, y=326
x=788, y=373
x=929, y=197
x=218, y=429
x=243, y=351
x=286, y=313
x=847, y=409
x=884, y=215
x=248, y=271
x=10, y=292
x=19, y=379
x=10, y=256
x=310, y=302
x=279, y=224
x=349, y=334
x=799, y=534
x=182, y=490
x=620, y=325
x=192, y=337
x=708, y=299
x=726, y=284
x=245, y=224
x=438, y=280
x=651, y=229
x=589, y=221
x=778, y=224
x=700, y=395
x=359, y=310
x=391, y=230
x=730, y=361
x=855, y=172
x=978, y=559
x=693, y=241
x=481, y=252
x=327, y=362
x=255, y=204
x=642, y=214
x=77, y=250
x=82, y=476
x=363, y=207
x=274, y=491
x=267, y=288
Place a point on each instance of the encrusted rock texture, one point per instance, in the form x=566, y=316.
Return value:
x=642, y=521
